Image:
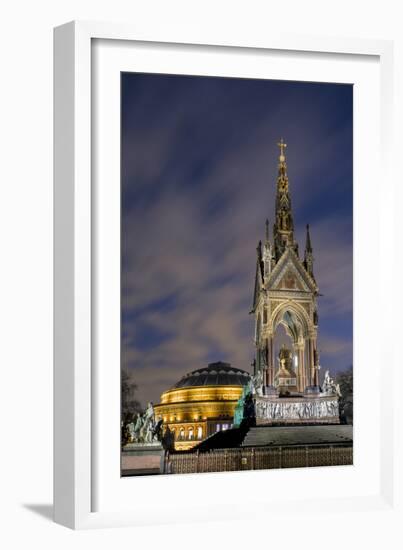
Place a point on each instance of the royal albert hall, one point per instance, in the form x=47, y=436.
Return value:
x=201, y=403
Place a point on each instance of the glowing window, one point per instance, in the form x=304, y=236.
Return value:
x=199, y=432
x=190, y=433
x=217, y=428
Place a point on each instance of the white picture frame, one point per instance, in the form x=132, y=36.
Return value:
x=83, y=496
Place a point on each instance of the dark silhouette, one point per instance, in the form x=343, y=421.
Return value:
x=130, y=405
x=345, y=380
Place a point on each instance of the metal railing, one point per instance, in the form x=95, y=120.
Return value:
x=230, y=460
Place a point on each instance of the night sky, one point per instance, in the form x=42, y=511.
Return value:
x=199, y=168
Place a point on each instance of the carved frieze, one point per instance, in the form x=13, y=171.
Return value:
x=307, y=409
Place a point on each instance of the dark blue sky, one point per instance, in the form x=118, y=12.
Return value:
x=199, y=167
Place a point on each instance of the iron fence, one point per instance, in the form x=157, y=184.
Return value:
x=230, y=460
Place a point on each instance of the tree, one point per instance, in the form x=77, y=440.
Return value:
x=345, y=380
x=130, y=405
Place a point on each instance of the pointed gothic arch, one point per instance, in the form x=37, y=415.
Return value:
x=297, y=314
x=299, y=327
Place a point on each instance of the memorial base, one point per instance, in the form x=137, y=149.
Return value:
x=142, y=459
x=301, y=409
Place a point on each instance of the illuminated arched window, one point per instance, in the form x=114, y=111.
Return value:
x=190, y=433
x=182, y=433
x=199, y=432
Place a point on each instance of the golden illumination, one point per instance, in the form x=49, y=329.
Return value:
x=201, y=393
x=199, y=411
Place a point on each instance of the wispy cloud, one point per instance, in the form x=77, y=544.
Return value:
x=199, y=167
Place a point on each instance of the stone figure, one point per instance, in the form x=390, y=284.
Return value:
x=329, y=386
x=146, y=430
x=333, y=408
x=256, y=383
x=239, y=407
x=157, y=431
x=130, y=428
x=137, y=428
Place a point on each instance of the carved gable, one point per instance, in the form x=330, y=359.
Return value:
x=289, y=274
x=290, y=281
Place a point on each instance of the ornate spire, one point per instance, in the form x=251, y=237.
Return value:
x=259, y=250
x=267, y=254
x=284, y=226
x=308, y=256
x=282, y=178
x=282, y=146
x=308, y=246
x=259, y=275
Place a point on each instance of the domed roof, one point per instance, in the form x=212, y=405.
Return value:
x=215, y=374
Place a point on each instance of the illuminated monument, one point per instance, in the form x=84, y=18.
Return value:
x=283, y=389
x=286, y=388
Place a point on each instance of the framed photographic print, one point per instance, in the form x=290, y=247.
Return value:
x=218, y=235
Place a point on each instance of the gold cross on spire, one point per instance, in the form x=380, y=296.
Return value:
x=282, y=146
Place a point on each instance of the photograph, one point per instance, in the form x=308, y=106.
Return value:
x=236, y=274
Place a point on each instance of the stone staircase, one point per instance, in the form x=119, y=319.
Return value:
x=282, y=436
